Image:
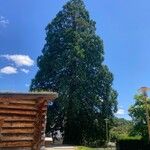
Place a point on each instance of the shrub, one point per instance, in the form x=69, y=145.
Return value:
x=125, y=137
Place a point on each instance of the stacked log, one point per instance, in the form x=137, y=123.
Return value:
x=22, y=120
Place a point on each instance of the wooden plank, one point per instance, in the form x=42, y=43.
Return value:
x=31, y=95
x=16, y=148
x=15, y=101
x=20, y=117
x=17, y=138
x=17, y=124
x=19, y=112
x=31, y=105
x=16, y=118
x=19, y=107
x=17, y=131
x=16, y=144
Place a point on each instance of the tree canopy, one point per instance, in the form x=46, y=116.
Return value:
x=72, y=65
x=121, y=128
x=138, y=114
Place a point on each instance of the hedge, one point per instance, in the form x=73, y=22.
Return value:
x=132, y=144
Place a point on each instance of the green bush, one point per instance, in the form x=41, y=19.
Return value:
x=130, y=138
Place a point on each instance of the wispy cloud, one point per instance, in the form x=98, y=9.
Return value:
x=27, y=85
x=20, y=60
x=3, y=21
x=25, y=70
x=120, y=111
x=8, y=70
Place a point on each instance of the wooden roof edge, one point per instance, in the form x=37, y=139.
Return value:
x=46, y=95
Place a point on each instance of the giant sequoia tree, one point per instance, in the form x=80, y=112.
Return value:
x=72, y=65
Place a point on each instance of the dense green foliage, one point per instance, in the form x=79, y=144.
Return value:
x=137, y=112
x=121, y=129
x=72, y=65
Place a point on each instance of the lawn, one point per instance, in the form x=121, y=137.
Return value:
x=88, y=148
x=84, y=148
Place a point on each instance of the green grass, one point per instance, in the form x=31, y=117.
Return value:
x=84, y=148
x=130, y=138
x=88, y=148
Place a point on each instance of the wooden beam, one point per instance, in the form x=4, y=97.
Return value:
x=16, y=144
x=18, y=125
x=8, y=100
x=18, y=118
x=19, y=112
x=33, y=95
x=17, y=131
x=17, y=138
x=16, y=107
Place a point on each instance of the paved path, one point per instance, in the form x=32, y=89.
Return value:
x=61, y=148
x=73, y=148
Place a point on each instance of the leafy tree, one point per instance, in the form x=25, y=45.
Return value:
x=137, y=112
x=121, y=129
x=72, y=64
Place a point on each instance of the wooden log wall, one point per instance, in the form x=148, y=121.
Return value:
x=22, y=120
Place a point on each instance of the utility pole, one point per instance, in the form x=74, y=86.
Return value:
x=144, y=91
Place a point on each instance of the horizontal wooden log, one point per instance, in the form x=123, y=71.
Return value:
x=16, y=138
x=16, y=144
x=14, y=101
x=23, y=117
x=18, y=124
x=22, y=108
x=18, y=107
x=21, y=104
x=16, y=118
x=17, y=148
x=17, y=131
x=19, y=112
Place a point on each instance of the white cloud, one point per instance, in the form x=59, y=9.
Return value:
x=20, y=60
x=120, y=112
x=25, y=70
x=8, y=70
x=27, y=85
x=3, y=21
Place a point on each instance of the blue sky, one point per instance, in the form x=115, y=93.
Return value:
x=124, y=26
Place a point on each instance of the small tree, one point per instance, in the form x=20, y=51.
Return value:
x=121, y=129
x=138, y=114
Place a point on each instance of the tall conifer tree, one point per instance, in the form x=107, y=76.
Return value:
x=72, y=65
